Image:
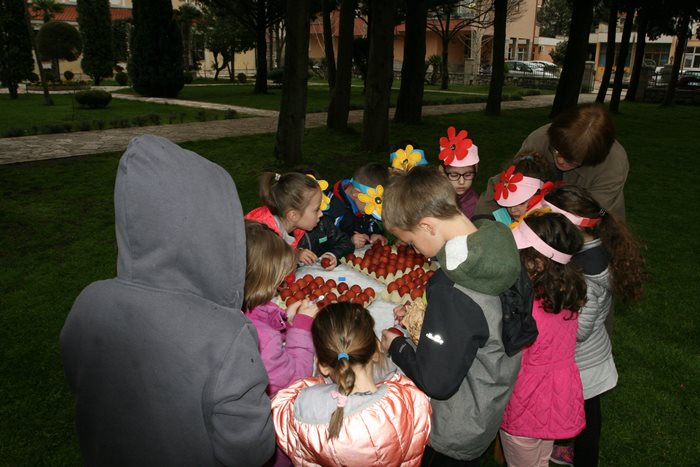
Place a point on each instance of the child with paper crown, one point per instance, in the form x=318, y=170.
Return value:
x=547, y=401
x=460, y=360
x=356, y=204
x=326, y=241
x=460, y=161
x=521, y=187
x=291, y=207
x=612, y=266
x=352, y=419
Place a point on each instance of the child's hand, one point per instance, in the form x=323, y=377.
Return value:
x=328, y=261
x=292, y=311
x=307, y=308
x=399, y=313
x=378, y=238
x=359, y=239
x=306, y=256
x=387, y=338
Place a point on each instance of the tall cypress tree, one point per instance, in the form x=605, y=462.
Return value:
x=16, y=62
x=95, y=23
x=155, y=64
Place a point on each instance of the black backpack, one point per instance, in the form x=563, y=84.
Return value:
x=519, y=327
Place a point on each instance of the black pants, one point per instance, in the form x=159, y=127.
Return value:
x=432, y=458
x=587, y=443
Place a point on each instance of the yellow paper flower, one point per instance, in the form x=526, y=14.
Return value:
x=373, y=200
x=406, y=159
x=323, y=185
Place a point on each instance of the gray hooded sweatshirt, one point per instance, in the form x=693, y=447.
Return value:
x=164, y=367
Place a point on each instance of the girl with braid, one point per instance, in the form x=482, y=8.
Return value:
x=348, y=418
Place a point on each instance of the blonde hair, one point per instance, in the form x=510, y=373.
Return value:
x=343, y=328
x=268, y=260
x=292, y=190
x=411, y=196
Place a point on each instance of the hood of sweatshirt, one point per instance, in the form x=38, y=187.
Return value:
x=179, y=223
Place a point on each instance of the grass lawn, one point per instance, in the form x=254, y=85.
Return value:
x=57, y=236
x=29, y=111
x=318, y=95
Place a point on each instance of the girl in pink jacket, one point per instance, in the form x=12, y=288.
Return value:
x=547, y=401
x=350, y=420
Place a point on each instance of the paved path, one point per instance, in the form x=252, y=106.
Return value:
x=42, y=147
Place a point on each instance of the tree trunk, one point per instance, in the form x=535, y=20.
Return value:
x=339, y=106
x=261, y=52
x=677, y=59
x=569, y=85
x=44, y=84
x=271, y=48
x=493, y=104
x=642, y=23
x=609, y=53
x=328, y=43
x=444, y=70
x=12, y=89
x=622, y=57
x=409, y=106
x=380, y=74
x=292, y=116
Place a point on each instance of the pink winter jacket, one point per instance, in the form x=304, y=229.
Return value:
x=387, y=428
x=287, y=352
x=264, y=216
x=547, y=401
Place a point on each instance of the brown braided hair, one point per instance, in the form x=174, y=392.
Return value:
x=343, y=327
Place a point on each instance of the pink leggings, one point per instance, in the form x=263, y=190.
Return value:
x=526, y=452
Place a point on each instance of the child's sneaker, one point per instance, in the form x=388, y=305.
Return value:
x=562, y=455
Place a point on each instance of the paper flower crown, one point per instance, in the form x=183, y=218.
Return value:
x=408, y=158
x=525, y=237
x=323, y=185
x=514, y=188
x=576, y=220
x=372, y=197
x=457, y=150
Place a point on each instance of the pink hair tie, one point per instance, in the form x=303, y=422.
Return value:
x=342, y=400
x=526, y=237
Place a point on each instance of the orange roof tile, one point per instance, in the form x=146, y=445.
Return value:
x=70, y=14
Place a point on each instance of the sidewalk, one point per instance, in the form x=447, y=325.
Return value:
x=42, y=147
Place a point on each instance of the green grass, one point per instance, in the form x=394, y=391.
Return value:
x=29, y=111
x=318, y=95
x=57, y=236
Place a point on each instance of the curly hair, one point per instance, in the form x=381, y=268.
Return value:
x=531, y=164
x=343, y=327
x=560, y=286
x=627, y=266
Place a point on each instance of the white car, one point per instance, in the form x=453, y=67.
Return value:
x=521, y=68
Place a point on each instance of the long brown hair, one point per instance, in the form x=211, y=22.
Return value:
x=560, y=286
x=282, y=192
x=349, y=328
x=531, y=164
x=268, y=260
x=627, y=267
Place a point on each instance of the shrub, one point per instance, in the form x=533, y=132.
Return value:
x=13, y=132
x=69, y=75
x=276, y=75
x=49, y=76
x=188, y=77
x=33, y=77
x=140, y=120
x=242, y=78
x=83, y=126
x=99, y=124
x=201, y=116
x=121, y=78
x=120, y=123
x=154, y=119
x=93, y=99
x=230, y=114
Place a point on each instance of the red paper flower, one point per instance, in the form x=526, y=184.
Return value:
x=456, y=145
x=546, y=188
x=508, y=183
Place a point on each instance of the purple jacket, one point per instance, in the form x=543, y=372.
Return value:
x=467, y=202
x=287, y=351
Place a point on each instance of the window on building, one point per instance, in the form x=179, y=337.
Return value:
x=659, y=53
x=692, y=57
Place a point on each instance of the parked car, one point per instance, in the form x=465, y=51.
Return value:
x=541, y=66
x=521, y=68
